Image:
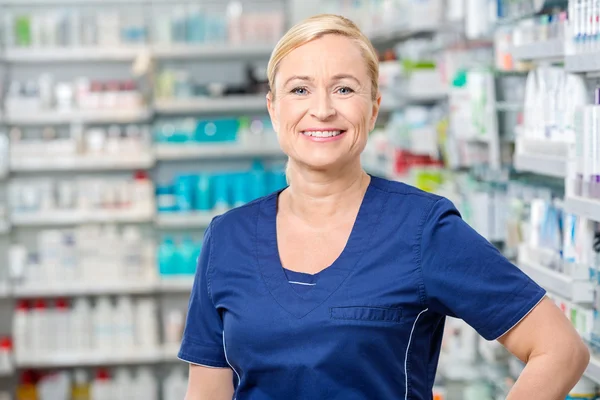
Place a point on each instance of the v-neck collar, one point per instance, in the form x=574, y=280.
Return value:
x=331, y=278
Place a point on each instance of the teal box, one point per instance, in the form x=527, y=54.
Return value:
x=217, y=130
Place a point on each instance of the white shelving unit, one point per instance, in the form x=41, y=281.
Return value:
x=548, y=50
x=541, y=164
x=587, y=208
x=4, y=227
x=577, y=291
x=53, y=117
x=167, y=151
x=583, y=63
x=194, y=219
x=82, y=163
x=206, y=105
x=88, y=289
x=4, y=291
x=177, y=284
x=417, y=98
x=93, y=359
x=593, y=369
x=129, y=54
x=212, y=52
x=170, y=351
x=66, y=217
x=73, y=54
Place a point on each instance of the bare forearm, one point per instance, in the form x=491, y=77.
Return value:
x=548, y=377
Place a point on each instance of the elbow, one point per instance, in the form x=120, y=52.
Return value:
x=578, y=356
x=583, y=355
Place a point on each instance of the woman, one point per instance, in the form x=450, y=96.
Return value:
x=337, y=287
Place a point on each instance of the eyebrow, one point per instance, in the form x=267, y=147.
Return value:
x=337, y=77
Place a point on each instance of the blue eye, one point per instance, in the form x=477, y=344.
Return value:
x=300, y=91
x=345, y=90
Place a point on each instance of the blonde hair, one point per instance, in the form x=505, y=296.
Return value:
x=316, y=27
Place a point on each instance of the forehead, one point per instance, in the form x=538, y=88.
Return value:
x=330, y=54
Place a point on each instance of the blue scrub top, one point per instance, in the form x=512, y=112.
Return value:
x=368, y=327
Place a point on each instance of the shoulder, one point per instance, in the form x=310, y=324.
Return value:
x=401, y=196
x=239, y=219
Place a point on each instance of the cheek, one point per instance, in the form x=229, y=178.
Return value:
x=290, y=114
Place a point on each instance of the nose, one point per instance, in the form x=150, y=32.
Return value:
x=322, y=106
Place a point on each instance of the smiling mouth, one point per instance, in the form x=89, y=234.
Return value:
x=322, y=134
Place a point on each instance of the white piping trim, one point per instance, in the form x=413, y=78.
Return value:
x=406, y=356
x=228, y=363
x=199, y=365
x=302, y=283
x=523, y=317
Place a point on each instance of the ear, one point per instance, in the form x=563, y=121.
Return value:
x=272, y=112
x=375, y=111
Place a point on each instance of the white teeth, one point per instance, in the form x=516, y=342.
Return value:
x=321, y=134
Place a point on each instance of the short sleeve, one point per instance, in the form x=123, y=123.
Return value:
x=202, y=342
x=466, y=277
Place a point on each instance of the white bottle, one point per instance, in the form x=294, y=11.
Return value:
x=22, y=331
x=123, y=385
x=143, y=193
x=103, y=326
x=146, y=386
x=146, y=324
x=6, y=356
x=102, y=386
x=173, y=326
x=39, y=329
x=61, y=325
x=175, y=386
x=81, y=326
x=132, y=254
x=123, y=324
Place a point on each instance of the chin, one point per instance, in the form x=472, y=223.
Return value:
x=322, y=163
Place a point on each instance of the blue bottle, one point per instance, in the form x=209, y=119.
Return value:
x=166, y=255
x=202, y=198
x=184, y=192
x=187, y=256
x=165, y=199
x=221, y=192
x=257, y=181
x=239, y=189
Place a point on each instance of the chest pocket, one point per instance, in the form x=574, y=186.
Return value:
x=378, y=314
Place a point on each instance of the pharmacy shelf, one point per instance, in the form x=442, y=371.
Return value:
x=170, y=351
x=214, y=52
x=587, y=208
x=385, y=35
x=583, y=63
x=424, y=98
x=70, y=217
x=84, y=289
x=4, y=291
x=182, y=151
x=82, y=163
x=540, y=164
x=546, y=50
x=593, y=369
x=73, y=54
x=209, y=105
x=4, y=227
x=53, y=117
x=179, y=284
x=108, y=357
x=577, y=291
x=509, y=106
x=193, y=219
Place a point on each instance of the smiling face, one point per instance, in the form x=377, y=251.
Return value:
x=322, y=107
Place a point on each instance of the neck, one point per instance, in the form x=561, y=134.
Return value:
x=316, y=196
